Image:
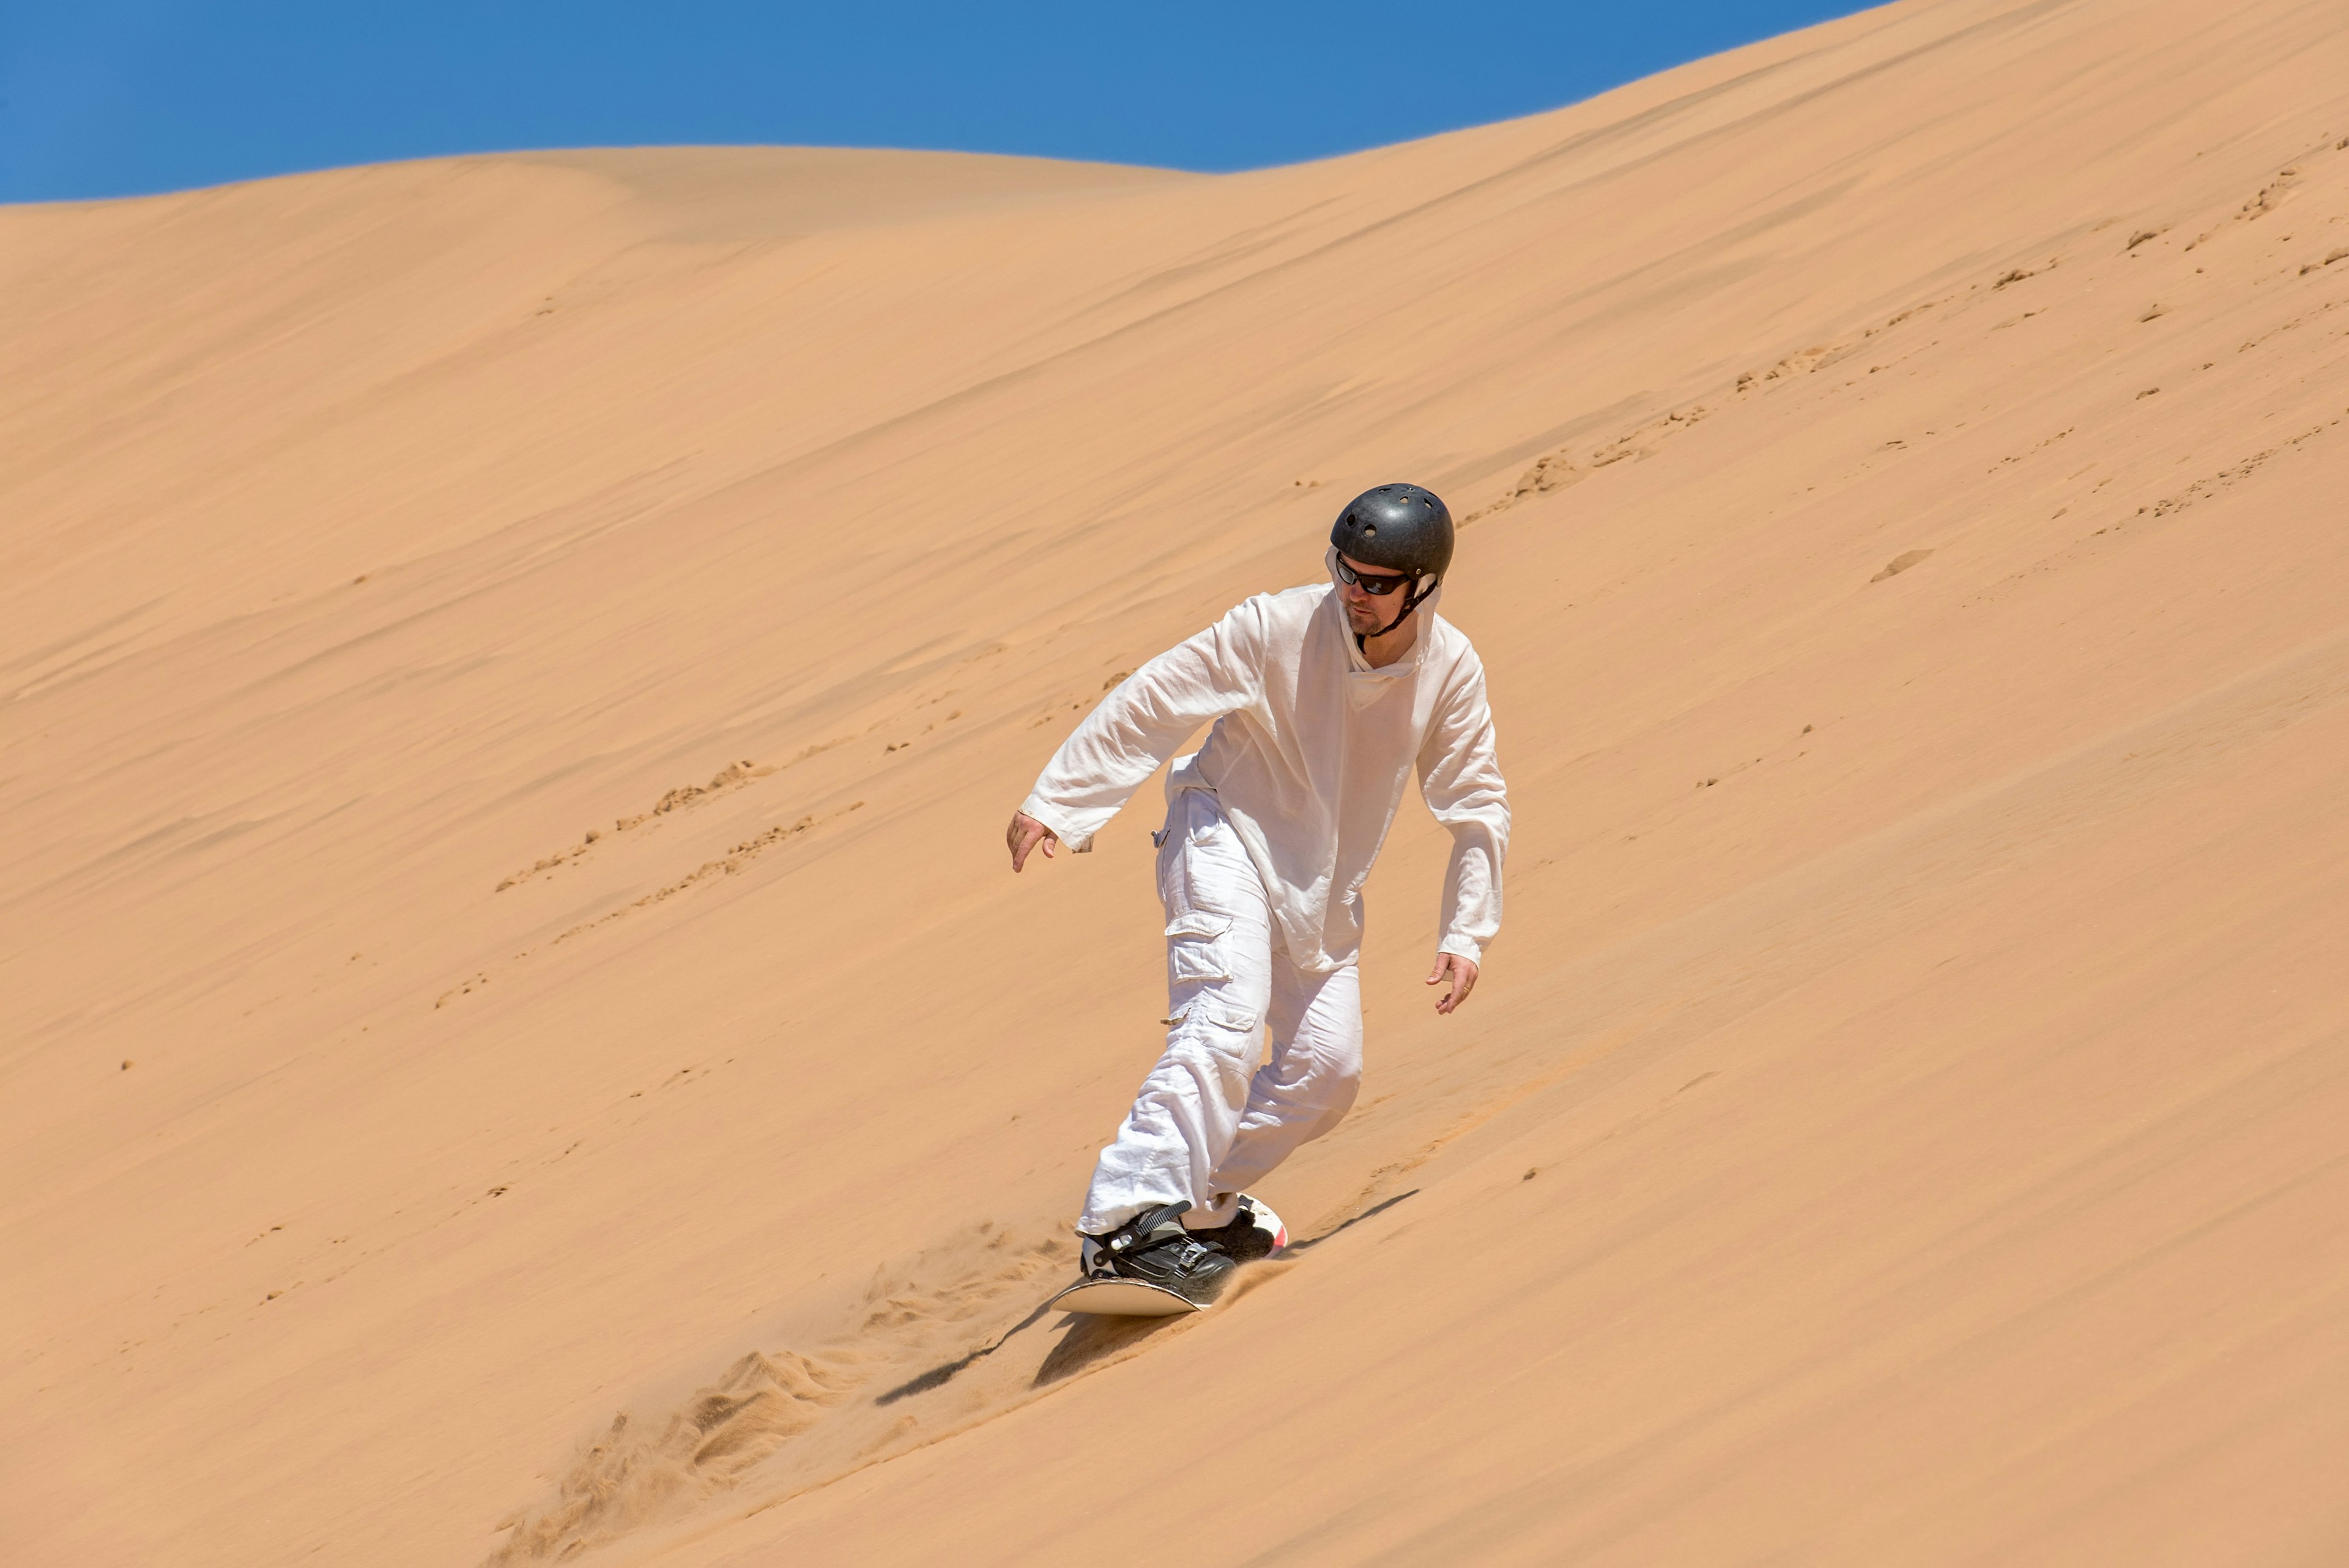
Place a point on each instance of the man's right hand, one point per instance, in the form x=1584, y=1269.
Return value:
x=1024, y=835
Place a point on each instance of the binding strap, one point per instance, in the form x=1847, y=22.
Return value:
x=1120, y=1241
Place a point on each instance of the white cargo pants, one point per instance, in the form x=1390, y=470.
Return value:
x=1209, y=1121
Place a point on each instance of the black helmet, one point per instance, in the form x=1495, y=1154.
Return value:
x=1403, y=528
x=1399, y=526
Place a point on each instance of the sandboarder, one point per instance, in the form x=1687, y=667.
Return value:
x=1326, y=698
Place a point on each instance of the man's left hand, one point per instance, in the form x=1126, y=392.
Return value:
x=1464, y=980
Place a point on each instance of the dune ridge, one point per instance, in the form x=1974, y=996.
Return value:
x=1899, y=1121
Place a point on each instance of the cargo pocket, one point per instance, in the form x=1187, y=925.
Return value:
x=1207, y=1010
x=1178, y=883
x=1224, y=1015
x=1194, y=948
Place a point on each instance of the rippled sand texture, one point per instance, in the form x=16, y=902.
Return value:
x=518, y=1041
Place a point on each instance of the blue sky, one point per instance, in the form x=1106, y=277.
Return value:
x=101, y=98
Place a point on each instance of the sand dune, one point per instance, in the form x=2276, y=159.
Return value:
x=518, y=1039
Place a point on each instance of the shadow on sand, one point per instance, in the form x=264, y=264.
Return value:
x=940, y=1376
x=1087, y=1338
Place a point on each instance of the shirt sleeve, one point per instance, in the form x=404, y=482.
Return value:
x=1460, y=775
x=1138, y=725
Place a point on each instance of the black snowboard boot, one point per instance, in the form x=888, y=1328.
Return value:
x=1153, y=1248
x=1253, y=1234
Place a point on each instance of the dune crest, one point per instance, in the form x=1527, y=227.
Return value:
x=519, y=1044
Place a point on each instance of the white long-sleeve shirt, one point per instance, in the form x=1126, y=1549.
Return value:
x=1308, y=757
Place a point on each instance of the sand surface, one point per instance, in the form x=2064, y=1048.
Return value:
x=517, y=1035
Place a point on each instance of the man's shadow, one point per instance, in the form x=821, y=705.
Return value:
x=1086, y=1338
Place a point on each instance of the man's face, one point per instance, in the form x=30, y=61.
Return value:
x=1368, y=614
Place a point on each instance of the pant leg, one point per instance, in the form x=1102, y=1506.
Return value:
x=1307, y=1084
x=1219, y=970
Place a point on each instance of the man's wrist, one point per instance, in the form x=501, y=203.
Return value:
x=1042, y=814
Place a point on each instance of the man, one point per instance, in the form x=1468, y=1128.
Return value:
x=1327, y=700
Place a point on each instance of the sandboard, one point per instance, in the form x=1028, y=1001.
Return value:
x=1137, y=1298
x=1123, y=1298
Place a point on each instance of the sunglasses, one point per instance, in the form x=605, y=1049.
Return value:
x=1376, y=587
